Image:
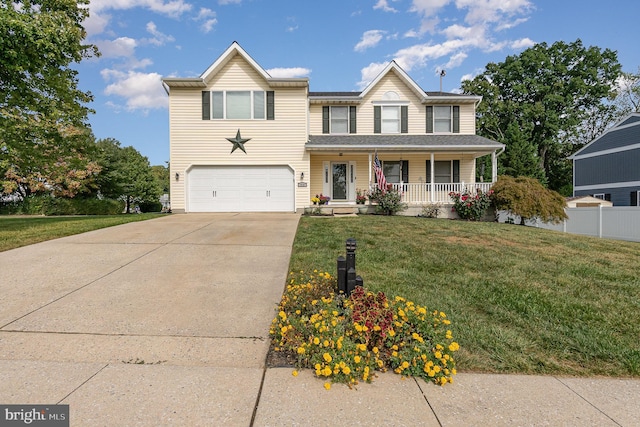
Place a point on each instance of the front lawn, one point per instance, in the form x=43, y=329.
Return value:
x=17, y=231
x=520, y=299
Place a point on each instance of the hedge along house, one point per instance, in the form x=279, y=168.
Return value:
x=241, y=140
x=607, y=167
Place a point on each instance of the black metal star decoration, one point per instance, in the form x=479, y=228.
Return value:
x=238, y=142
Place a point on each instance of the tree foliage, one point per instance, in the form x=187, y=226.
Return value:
x=126, y=174
x=527, y=198
x=536, y=98
x=43, y=113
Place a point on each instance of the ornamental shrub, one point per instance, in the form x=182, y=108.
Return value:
x=469, y=206
x=528, y=198
x=389, y=201
x=347, y=340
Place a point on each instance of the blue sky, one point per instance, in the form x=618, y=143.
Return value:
x=339, y=45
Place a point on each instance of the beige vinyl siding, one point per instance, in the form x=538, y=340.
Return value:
x=194, y=141
x=416, y=110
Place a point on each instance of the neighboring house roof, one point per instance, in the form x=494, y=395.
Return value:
x=402, y=142
x=625, y=135
x=586, y=201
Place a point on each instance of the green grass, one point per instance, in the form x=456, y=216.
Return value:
x=17, y=231
x=521, y=300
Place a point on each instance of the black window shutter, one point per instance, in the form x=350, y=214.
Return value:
x=325, y=119
x=271, y=105
x=429, y=119
x=377, y=119
x=607, y=197
x=428, y=178
x=456, y=171
x=206, y=105
x=404, y=119
x=456, y=119
x=634, y=198
x=405, y=171
x=352, y=119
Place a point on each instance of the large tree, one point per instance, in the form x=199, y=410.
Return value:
x=43, y=113
x=126, y=174
x=539, y=97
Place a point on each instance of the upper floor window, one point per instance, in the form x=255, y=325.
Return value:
x=390, y=119
x=443, y=119
x=238, y=105
x=339, y=119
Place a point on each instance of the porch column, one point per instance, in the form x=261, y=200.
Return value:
x=494, y=167
x=370, y=163
x=432, y=179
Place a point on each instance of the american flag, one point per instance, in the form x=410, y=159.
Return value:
x=377, y=167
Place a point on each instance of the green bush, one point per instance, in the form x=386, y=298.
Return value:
x=389, y=201
x=150, y=206
x=47, y=205
x=471, y=207
x=528, y=198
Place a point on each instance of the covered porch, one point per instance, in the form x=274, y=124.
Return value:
x=424, y=168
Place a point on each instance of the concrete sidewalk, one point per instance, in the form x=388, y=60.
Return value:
x=165, y=322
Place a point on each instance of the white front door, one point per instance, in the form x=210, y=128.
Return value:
x=339, y=181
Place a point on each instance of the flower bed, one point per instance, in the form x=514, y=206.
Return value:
x=346, y=340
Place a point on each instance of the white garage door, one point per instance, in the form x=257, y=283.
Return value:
x=240, y=189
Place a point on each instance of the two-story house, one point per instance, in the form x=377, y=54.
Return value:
x=241, y=140
x=607, y=167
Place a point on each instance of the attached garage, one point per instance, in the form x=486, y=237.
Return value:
x=240, y=189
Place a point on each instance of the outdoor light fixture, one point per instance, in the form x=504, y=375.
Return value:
x=301, y=176
x=177, y=176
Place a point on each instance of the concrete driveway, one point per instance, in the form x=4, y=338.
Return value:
x=157, y=322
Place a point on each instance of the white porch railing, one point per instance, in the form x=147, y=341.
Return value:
x=423, y=193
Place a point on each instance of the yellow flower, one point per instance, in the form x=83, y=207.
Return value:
x=282, y=315
x=356, y=359
x=438, y=355
x=358, y=327
x=294, y=373
x=346, y=370
x=317, y=366
x=326, y=343
x=327, y=386
x=453, y=371
x=375, y=350
x=405, y=364
x=301, y=350
x=394, y=354
x=392, y=333
x=327, y=357
x=284, y=329
x=326, y=371
x=454, y=346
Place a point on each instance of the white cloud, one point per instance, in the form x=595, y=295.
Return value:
x=118, y=48
x=172, y=8
x=293, y=72
x=142, y=91
x=522, y=43
x=369, y=39
x=159, y=38
x=370, y=72
x=207, y=19
x=384, y=5
x=96, y=23
x=485, y=11
x=456, y=60
x=225, y=2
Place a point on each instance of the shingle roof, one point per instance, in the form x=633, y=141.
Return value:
x=442, y=142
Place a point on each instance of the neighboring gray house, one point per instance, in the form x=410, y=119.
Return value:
x=609, y=166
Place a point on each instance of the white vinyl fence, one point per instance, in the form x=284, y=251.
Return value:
x=620, y=223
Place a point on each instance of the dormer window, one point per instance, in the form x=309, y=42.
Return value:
x=390, y=114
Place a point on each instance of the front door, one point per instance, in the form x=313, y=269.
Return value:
x=339, y=184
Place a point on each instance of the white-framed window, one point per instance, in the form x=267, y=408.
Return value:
x=339, y=119
x=599, y=196
x=392, y=171
x=442, y=119
x=390, y=119
x=238, y=105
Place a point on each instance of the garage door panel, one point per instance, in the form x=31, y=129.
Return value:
x=240, y=189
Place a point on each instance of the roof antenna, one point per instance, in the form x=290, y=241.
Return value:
x=442, y=74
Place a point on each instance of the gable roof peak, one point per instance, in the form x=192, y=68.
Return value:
x=395, y=67
x=233, y=50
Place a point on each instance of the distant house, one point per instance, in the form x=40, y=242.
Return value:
x=587, y=202
x=608, y=167
x=242, y=140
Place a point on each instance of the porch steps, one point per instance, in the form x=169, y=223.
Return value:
x=345, y=210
